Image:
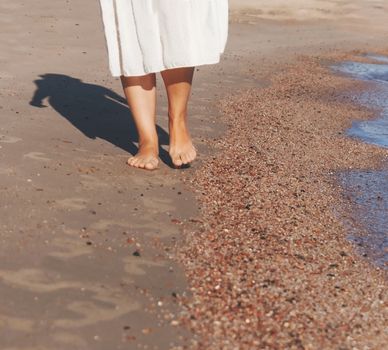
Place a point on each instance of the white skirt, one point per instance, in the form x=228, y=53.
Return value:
x=148, y=36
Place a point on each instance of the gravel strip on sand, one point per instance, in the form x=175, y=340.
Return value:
x=270, y=266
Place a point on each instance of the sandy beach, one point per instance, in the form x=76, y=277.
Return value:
x=362, y=12
x=247, y=249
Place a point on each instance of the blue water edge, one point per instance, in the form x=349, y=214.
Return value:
x=368, y=190
x=371, y=131
x=368, y=193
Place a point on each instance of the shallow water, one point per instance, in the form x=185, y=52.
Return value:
x=368, y=190
x=372, y=131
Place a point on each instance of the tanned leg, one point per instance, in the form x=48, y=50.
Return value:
x=141, y=97
x=178, y=85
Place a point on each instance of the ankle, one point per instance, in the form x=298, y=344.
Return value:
x=177, y=118
x=178, y=127
x=148, y=143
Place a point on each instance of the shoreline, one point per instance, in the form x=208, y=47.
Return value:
x=306, y=247
x=364, y=189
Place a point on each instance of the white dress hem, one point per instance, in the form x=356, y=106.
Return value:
x=150, y=70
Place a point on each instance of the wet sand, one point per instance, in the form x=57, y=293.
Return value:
x=271, y=266
x=88, y=245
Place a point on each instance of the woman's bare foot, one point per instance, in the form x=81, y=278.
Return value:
x=146, y=158
x=141, y=96
x=182, y=150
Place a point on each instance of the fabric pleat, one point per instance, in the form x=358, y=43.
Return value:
x=147, y=36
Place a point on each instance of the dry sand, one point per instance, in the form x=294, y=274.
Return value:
x=308, y=10
x=86, y=242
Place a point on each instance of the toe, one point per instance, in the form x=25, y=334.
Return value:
x=136, y=162
x=130, y=161
x=142, y=163
x=152, y=164
x=185, y=158
x=133, y=163
x=155, y=163
x=177, y=160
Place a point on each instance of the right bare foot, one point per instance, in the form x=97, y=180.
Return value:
x=146, y=158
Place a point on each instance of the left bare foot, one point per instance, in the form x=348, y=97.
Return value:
x=182, y=150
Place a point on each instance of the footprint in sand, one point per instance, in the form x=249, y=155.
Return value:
x=39, y=347
x=102, y=225
x=70, y=340
x=135, y=267
x=90, y=303
x=92, y=182
x=6, y=171
x=72, y=203
x=147, y=227
x=16, y=323
x=69, y=248
x=155, y=228
x=9, y=139
x=158, y=204
x=37, y=156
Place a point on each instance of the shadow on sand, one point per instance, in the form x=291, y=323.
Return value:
x=94, y=110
